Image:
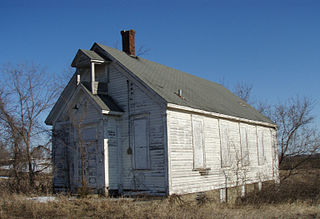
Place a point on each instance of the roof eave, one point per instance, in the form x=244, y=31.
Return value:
x=112, y=113
x=48, y=122
x=96, y=59
x=219, y=115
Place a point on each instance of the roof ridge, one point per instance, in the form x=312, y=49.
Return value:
x=197, y=92
x=157, y=63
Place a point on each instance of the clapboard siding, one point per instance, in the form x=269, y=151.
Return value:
x=59, y=153
x=184, y=179
x=185, y=151
x=85, y=121
x=124, y=92
x=111, y=152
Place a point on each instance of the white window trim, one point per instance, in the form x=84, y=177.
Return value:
x=245, y=158
x=193, y=118
x=260, y=147
x=224, y=164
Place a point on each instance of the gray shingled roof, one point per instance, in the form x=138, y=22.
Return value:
x=89, y=56
x=92, y=55
x=105, y=102
x=197, y=93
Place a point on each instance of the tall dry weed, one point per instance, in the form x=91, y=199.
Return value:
x=301, y=187
x=42, y=185
x=295, y=198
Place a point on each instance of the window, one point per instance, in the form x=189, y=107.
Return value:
x=140, y=143
x=244, y=146
x=260, y=148
x=198, y=145
x=225, y=146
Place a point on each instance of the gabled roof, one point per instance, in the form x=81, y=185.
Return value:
x=197, y=93
x=105, y=102
x=85, y=57
x=63, y=99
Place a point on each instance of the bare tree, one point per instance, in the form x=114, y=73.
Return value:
x=141, y=51
x=236, y=174
x=11, y=130
x=81, y=146
x=243, y=90
x=296, y=134
x=70, y=150
x=24, y=99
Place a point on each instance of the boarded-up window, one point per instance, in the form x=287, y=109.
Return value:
x=140, y=141
x=244, y=146
x=225, y=147
x=260, y=148
x=198, y=146
x=267, y=144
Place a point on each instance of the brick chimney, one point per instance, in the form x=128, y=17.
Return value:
x=128, y=42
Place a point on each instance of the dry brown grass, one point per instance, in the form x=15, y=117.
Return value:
x=18, y=207
x=43, y=185
x=302, y=186
x=296, y=198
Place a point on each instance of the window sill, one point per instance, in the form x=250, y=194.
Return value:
x=145, y=169
x=203, y=171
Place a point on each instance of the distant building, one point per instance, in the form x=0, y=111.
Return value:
x=41, y=162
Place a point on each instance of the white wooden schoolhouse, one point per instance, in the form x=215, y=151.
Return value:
x=124, y=124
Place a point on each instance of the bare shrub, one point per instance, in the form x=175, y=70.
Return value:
x=42, y=185
x=175, y=199
x=202, y=198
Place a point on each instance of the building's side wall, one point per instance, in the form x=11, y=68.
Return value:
x=216, y=173
x=136, y=103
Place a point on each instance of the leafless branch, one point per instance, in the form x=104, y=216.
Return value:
x=243, y=90
x=25, y=97
x=296, y=134
x=142, y=51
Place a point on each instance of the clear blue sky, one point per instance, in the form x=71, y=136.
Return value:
x=273, y=45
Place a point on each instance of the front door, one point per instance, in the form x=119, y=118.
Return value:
x=86, y=157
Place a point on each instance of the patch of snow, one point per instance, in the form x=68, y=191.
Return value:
x=6, y=167
x=4, y=177
x=43, y=199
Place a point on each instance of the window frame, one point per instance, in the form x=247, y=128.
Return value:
x=260, y=147
x=244, y=148
x=203, y=166
x=224, y=140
